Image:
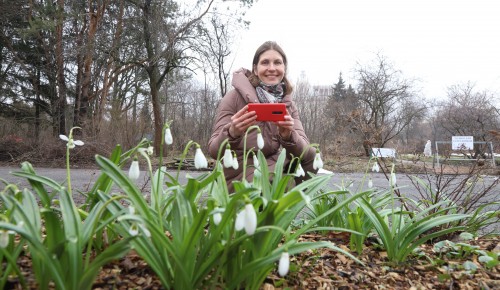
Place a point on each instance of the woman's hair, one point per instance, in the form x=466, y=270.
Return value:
x=270, y=45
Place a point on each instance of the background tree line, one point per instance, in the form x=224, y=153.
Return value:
x=119, y=69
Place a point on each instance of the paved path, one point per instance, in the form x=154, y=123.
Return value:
x=83, y=179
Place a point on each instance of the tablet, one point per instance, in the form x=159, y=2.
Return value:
x=268, y=111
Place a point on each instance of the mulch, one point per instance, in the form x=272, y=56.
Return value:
x=326, y=269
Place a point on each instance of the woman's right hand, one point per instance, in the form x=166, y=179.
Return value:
x=241, y=121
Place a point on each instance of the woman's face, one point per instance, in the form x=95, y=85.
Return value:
x=270, y=69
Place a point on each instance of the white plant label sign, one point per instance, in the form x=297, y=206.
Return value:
x=462, y=142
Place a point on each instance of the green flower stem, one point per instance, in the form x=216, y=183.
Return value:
x=101, y=211
x=165, y=126
x=68, y=173
x=245, y=149
x=183, y=157
x=217, y=162
x=313, y=145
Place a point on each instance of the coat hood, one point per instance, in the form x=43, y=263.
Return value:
x=241, y=84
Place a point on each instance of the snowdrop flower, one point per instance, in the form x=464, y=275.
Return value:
x=71, y=143
x=217, y=218
x=260, y=140
x=250, y=219
x=370, y=183
x=375, y=167
x=134, y=172
x=255, y=161
x=134, y=229
x=300, y=171
x=228, y=157
x=317, y=163
x=235, y=162
x=136, y=225
x=240, y=220
x=150, y=150
x=393, y=179
x=200, y=161
x=284, y=264
x=168, y=136
x=4, y=239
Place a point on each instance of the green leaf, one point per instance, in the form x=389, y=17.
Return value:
x=469, y=266
x=114, y=252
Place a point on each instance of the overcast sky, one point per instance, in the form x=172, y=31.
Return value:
x=438, y=42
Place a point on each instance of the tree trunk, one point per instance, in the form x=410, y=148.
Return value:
x=108, y=80
x=37, y=106
x=61, y=83
x=95, y=17
x=154, y=78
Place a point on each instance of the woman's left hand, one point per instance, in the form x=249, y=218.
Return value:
x=285, y=128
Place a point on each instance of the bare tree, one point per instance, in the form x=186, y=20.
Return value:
x=214, y=46
x=310, y=100
x=165, y=43
x=387, y=104
x=467, y=112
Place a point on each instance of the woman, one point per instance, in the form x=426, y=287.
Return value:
x=266, y=83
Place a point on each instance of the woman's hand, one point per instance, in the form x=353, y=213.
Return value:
x=241, y=121
x=285, y=128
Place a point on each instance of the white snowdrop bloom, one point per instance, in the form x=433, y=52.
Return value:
x=235, y=162
x=317, y=163
x=200, y=161
x=134, y=229
x=217, y=217
x=4, y=239
x=393, y=179
x=228, y=158
x=255, y=161
x=300, y=171
x=284, y=264
x=250, y=219
x=260, y=140
x=71, y=143
x=134, y=171
x=168, y=136
x=370, y=183
x=375, y=167
x=150, y=150
x=79, y=142
x=240, y=220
